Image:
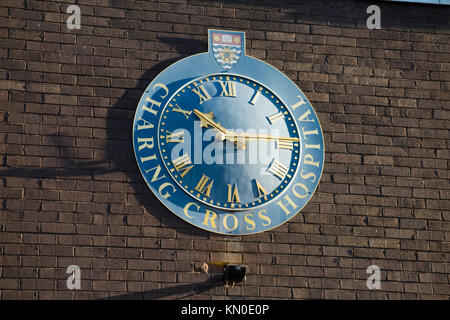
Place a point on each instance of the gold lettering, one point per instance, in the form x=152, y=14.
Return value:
x=228, y=88
x=307, y=133
x=152, y=103
x=186, y=209
x=225, y=223
x=233, y=195
x=202, y=94
x=145, y=144
x=312, y=146
x=164, y=185
x=298, y=195
x=144, y=159
x=298, y=104
x=183, y=164
x=202, y=186
x=156, y=174
x=175, y=137
x=256, y=96
x=309, y=160
x=210, y=216
x=147, y=125
x=275, y=117
x=307, y=176
x=177, y=108
x=260, y=189
x=285, y=145
x=304, y=117
x=264, y=217
x=248, y=218
x=164, y=87
x=278, y=169
x=289, y=202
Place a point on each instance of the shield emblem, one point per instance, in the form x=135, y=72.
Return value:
x=227, y=48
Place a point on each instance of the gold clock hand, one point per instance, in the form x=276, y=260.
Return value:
x=238, y=137
x=208, y=119
x=223, y=133
x=249, y=136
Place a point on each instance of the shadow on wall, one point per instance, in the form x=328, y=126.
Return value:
x=119, y=164
x=119, y=153
x=181, y=291
x=120, y=146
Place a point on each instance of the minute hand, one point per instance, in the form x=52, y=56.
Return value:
x=250, y=136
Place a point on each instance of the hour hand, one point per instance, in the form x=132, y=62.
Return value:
x=206, y=119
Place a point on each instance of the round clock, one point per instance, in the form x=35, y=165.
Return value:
x=227, y=142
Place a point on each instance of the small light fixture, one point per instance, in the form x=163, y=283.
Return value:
x=234, y=274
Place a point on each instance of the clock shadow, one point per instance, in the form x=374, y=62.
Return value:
x=108, y=155
x=121, y=152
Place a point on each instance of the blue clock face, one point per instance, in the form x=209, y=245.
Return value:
x=227, y=142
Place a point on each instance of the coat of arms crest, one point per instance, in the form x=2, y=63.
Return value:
x=227, y=48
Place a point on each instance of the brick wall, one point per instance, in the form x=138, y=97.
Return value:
x=71, y=193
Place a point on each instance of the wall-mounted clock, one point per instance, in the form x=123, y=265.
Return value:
x=227, y=142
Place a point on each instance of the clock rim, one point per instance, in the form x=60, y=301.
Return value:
x=213, y=67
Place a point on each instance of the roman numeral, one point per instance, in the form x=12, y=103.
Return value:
x=275, y=117
x=183, y=164
x=299, y=103
x=233, y=195
x=175, y=137
x=278, y=169
x=256, y=96
x=259, y=188
x=177, y=108
x=202, y=94
x=203, y=186
x=285, y=145
x=228, y=88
